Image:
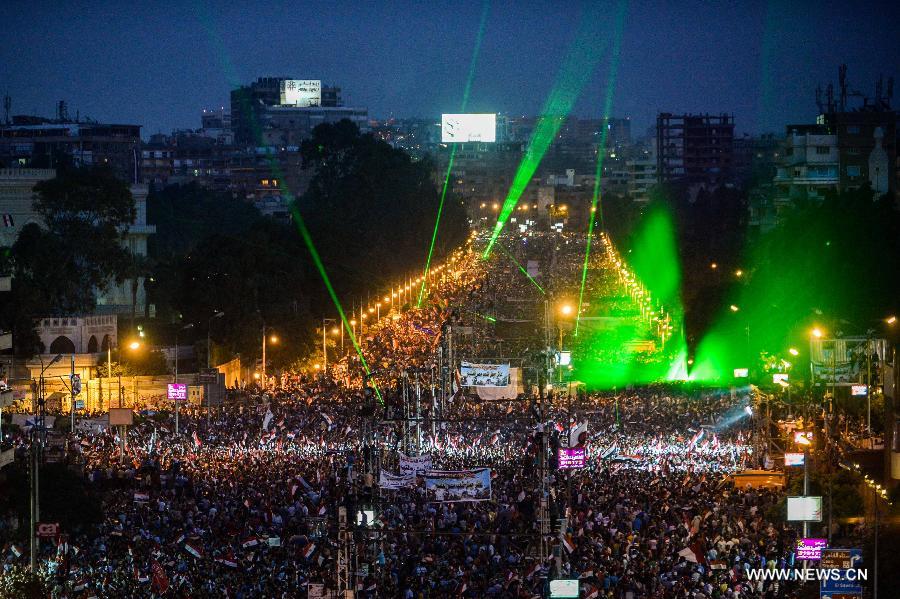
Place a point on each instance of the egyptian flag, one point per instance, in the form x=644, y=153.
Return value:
x=194, y=548
x=696, y=438
x=688, y=554
x=197, y=443
x=228, y=560
x=15, y=551
x=250, y=542
x=159, y=582
x=578, y=435
x=568, y=543
x=309, y=550
x=591, y=592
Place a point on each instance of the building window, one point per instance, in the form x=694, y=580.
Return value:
x=823, y=150
x=853, y=172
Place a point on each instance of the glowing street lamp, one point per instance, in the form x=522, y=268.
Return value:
x=891, y=319
x=793, y=351
x=733, y=308
x=817, y=333
x=566, y=309
x=134, y=345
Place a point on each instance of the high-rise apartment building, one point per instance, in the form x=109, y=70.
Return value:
x=695, y=148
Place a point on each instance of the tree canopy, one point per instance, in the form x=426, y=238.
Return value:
x=371, y=209
x=58, y=267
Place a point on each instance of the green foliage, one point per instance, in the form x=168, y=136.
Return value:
x=371, y=210
x=59, y=267
x=253, y=278
x=185, y=215
x=22, y=583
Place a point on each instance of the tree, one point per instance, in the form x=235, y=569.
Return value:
x=371, y=210
x=186, y=216
x=22, y=583
x=256, y=278
x=58, y=267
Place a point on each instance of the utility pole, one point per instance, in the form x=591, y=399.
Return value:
x=72, y=389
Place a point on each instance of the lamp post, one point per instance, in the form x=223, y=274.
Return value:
x=325, y=323
x=38, y=434
x=265, y=330
x=184, y=328
x=208, y=348
x=208, y=329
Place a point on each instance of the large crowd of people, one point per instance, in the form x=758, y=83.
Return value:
x=245, y=502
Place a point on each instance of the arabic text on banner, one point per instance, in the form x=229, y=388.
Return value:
x=414, y=464
x=393, y=482
x=484, y=375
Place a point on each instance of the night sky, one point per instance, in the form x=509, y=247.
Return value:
x=159, y=64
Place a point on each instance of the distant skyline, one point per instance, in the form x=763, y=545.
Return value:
x=159, y=65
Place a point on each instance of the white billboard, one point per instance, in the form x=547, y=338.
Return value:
x=808, y=509
x=301, y=92
x=460, y=128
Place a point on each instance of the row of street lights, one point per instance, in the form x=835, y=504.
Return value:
x=404, y=293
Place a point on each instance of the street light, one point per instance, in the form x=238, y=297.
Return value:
x=208, y=350
x=208, y=328
x=134, y=345
x=325, y=323
x=793, y=352
x=817, y=333
x=184, y=328
x=335, y=331
x=733, y=308
x=566, y=309
x=274, y=339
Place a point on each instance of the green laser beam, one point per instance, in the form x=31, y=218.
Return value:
x=596, y=207
x=215, y=39
x=574, y=74
x=307, y=238
x=465, y=101
x=524, y=272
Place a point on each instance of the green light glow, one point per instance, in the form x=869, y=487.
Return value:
x=596, y=207
x=307, y=238
x=231, y=74
x=465, y=102
x=577, y=69
x=613, y=347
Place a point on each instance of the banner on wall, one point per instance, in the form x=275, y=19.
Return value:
x=412, y=465
x=484, y=375
x=446, y=486
x=394, y=482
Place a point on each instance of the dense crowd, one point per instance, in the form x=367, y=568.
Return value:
x=245, y=503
